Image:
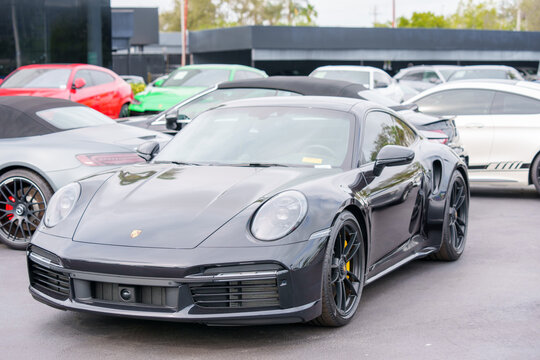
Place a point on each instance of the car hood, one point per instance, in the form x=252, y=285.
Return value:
x=170, y=206
x=54, y=93
x=158, y=99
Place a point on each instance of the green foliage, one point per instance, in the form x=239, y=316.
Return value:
x=137, y=88
x=423, y=20
x=482, y=16
x=530, y=15
x=207, y=14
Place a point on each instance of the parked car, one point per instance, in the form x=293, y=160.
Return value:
x=499, y=124
x=185, y=82
x=133, y=79
x=370, y=77
x=423, y=77
x=94, y=86
x=46, y=143
x=262, y=211
x=485, y=72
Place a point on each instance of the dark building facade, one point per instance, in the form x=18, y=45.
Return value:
x=54, y=31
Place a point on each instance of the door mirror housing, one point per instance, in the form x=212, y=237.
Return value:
x=148, y=150
x=78, y=83
x=158, y=83
x=392, y=155
x=175, y=120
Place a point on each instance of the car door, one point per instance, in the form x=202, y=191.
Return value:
x=516, y=130
x=471, y=108
x=393, y=195
x=87, y=94
x=107, y=97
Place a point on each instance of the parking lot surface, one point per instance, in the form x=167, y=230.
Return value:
x=484, y=306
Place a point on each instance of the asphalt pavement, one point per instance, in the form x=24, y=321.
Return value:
x=484, y=306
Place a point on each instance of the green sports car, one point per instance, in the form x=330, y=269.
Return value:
x=185, y=82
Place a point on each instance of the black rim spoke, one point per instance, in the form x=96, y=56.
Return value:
x=351, y=287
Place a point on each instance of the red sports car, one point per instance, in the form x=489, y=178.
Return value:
x=94, y=86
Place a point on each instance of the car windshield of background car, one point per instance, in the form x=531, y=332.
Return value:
x=358, y=77
x=38, y=78
x=197, y=77
x=264, y=135
x=74, y=117
x=478, y=74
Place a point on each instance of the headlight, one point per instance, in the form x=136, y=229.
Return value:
x=279, y=216
x=62, y=203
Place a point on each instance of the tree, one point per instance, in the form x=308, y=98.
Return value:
x=423, y=20
x=482, y=15
x=530, y=15
x=207, y=14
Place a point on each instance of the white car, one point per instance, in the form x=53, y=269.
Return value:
x=423, y=77
x=499, y=125
x=370, y=77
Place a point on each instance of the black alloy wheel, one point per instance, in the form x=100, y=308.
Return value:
x=23, y=200
x=535, y=173
x=343, y=272
x=456, y=219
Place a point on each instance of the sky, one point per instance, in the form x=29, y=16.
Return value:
x=349, y=13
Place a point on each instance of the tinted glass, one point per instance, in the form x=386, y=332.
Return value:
x=278, y=135
x=197, y=77
x=73, y=117
x=241, y=74
x=85, y=74
x=379, y=130
x=413, y=76
x=199, y=104
x=506, y=103
x=457, y=102
x=430, y=77
x=101, y=77
x=38, y=78
x=359, y=77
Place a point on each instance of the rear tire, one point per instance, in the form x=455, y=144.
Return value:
x=343, y=272
x=124, y=111
x=535, y=173
x=456, y=216
x=23, y=199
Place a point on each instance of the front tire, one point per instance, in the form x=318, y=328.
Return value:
x=124, y=111
x=456, y=218
x=343, y=272
x=23, y=199
x=535, y=173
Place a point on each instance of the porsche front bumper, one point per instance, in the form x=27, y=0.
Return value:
x=232, y=292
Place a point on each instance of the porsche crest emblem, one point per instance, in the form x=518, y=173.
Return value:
x=135, y=233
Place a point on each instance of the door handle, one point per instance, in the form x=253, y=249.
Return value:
x=474, y=125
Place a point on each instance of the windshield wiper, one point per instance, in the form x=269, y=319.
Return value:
x=177, y=163
x=259, y=165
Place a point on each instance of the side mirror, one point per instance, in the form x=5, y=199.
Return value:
x=175, y=120
x=78, y=83
x=159, y=83
x=148, y=150
x=392, y=155
x=380, y=85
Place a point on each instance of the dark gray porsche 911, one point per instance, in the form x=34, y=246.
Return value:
x=268, y=210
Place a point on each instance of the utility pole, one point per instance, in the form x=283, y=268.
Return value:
x=393, y=14
x=183, y=25
x=375, y=13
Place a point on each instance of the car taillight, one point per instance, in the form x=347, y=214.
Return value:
x=443, y=141
x=107, y=159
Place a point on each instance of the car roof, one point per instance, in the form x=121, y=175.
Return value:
x=348, y=68
x=303, y=85
x=220, y=66
x=321, y=102
x=61, y=66
x=19, y=107
x=486, y=67
x=514, y=86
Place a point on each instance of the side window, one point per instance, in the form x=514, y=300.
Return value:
x=101, y=77
x=413, y=76
x=380, y=80
x=85, y=74
x=431, y=77
x=381, y=129
x=506, y=103
x=404, y=135
x=457, y=102
x=241, y=75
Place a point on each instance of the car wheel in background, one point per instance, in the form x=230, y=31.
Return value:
x=23, y=199
x=124, y=111
x=535, y=173
x=343, y=272
x=456, y=217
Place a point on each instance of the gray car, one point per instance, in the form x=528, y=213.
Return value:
x=423, y=77
x=46, y=143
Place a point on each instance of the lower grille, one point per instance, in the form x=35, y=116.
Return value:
x=236, y=294
x=51, y=282
x=148, y=295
